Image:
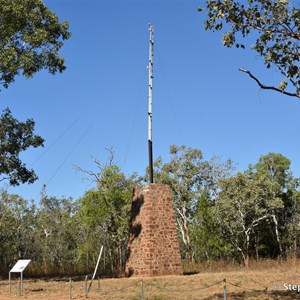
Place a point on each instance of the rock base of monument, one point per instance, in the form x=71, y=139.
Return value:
x=153, y=247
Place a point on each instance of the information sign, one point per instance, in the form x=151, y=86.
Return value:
x=20, y=266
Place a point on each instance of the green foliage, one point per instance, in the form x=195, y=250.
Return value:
x=276, y=167
x=17, y=224
x=104, y=212
x=219, y=216
x=64, y=237
x=190, y=177
x=16, y=137
x=242, y=205
x=274, y=27
x=55, y=234
x=293, y=229
x=207, y=241
x=30, y=39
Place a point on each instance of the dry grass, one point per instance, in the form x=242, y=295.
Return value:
x=257, y=282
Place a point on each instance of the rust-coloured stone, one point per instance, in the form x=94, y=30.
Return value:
x=153, y=247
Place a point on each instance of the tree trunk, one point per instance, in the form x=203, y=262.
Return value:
x=277, y=235
x=185, y=234
x=246, y=260
x=257, y=246
x=246, y=256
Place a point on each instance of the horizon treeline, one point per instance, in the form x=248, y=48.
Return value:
x=221, y=215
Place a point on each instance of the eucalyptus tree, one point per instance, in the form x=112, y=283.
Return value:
x=274, y=29
x=55, y=235
x=243, y=204
x=190, y=176
x=31, y=37
x=208, y=242
x=17, y=226
x=277, y=168
x=293, y=226
x=16, y=137
x=104, y=212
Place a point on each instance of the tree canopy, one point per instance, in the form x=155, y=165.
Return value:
x=191, y=178
x=105, y=211
x=273, y=26
x=15, y=137
x=30, y=39
x=220, y=215
x=243, y=204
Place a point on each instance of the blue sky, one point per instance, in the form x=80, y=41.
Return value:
x=200, y=99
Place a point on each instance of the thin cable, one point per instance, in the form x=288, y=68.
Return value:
x=170, y=97
x=55, y=141
x=137, y=106
x=68, y=155
x=184, y=291
x=242, y=287
x=70, y=152
x=121, y=289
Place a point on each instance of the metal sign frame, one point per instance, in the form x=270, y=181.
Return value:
x=19, y=267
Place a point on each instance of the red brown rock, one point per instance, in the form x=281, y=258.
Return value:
x=153, y=247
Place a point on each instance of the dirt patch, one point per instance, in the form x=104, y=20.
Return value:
x=264, y=284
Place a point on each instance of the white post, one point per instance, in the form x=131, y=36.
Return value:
x=150, y=68
x=21, y=284
x=95, y=270
x=19, y=267
x=97, y=264
x=86, y=286
x=70, y=288
x=9, y=279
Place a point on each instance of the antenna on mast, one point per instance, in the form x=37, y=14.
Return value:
x=150, y=68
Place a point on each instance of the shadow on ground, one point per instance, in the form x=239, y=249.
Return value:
x=272, y=295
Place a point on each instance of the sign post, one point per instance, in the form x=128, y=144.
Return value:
x=19, y=267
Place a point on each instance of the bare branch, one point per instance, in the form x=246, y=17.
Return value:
x=256, y=222
x=111, y=155
x=46, y=232
x=91, y=176
x=95, y=177
x=265, y=87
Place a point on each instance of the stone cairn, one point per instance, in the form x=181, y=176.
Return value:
x=153, y=247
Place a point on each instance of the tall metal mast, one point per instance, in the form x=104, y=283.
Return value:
x=150, y=68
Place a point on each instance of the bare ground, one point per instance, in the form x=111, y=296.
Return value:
x=265, y=282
